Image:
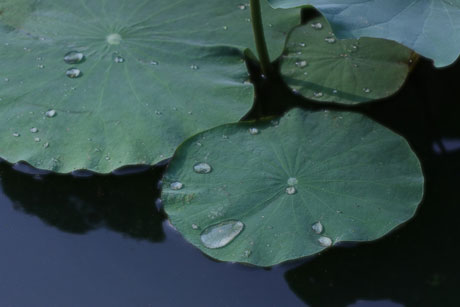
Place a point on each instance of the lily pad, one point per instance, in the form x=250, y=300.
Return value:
x=322, y=67
x=431, y=28
x=143, y=76
x=288, y=188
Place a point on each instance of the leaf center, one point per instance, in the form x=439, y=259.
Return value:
x=114, y=39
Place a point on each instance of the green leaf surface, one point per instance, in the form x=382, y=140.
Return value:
x=431, y=28
x=322, y=67
x=355, y=177
x=154, y=72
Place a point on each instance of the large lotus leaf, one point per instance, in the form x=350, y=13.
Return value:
x=430, y=27
x=154, y=73
x=322, y=67
x=256, y=192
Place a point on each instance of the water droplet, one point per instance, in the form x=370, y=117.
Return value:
x=51, y=113
x=242, y=6
x=302, y=44
x=202, y=168
x=366, y=90
x=195, y=226
x=292, y=181
x=247, y=253
x=34, y=130
x=73, y=73
x=6, y=79
x=154, y=63
x=248, y=19
x=74, y=57
x=113, y=39
x=16, y=134
x=330, y=40
x=37, y=139
x=291, y=190
x=225, y=28
x=194, y=67
x=118, y=59
x=222, y=234
x=317, y=227
x=325, y=241
x=317, y=26
x=176, y=185
x=334, y=91
x=46, y=145
x=41, y=66
x=253, y=131
x=318, y=94
x=301, y=64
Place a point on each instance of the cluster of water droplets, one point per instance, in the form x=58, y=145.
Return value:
x=74, y=57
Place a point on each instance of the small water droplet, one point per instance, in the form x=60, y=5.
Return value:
x=41, y=66
x=317, y=26
x=195, y=226
x=301, y=64
x=202, y=168
x=242, y=6
x=176, y=185
x=16, y=134
x=225, y=28
x=330, y=40
x=366, y=90
x=292, y=181
x=73, y=73
x=248, y=19
x=37, y=139
x=73, y=57
x=253, y=131
x=291, y=190
x=46, y=145
x=6, y=79
x=302, y=44
x=194, y=67
x=51, y=113
x=220, y=235
x=34, y=130
x=154, y=63
x=118, y=59
x=325, y=241
x=317, y=227
x=334, y=91
x=318, y=94
x=247, y=253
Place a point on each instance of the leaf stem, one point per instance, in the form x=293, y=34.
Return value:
x=259, y=37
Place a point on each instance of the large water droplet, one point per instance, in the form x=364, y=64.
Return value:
x=325, y=241
x=291, y=190
x=74, y=57
x=202, y=168
x=317, y=26
x=73, y=73
x=222, y=234
x=253, y=131
x=176, y=185
x=317, y=227
x=113, y=39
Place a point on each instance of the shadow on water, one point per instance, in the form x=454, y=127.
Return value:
x=124, y=204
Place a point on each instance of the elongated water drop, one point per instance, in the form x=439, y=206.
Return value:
x=51, y=113
x=220, y=235
x=74, y=57
x=325, y=241
x=317, y=227
x=202, y=168
x=73, y=73
x=317, y=26
x=16, y=134
x=366, y=90
x=176, y=185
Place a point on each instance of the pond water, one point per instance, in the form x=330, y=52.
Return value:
x=69, y=240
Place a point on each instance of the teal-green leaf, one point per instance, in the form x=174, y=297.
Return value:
x=154, y=72
x=255, y=192
x=431, y=28
x=322, y=67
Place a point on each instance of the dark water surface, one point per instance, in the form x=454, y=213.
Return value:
x=102, y=240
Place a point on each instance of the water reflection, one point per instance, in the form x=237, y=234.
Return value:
x=416, y=266
x=78, y=204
